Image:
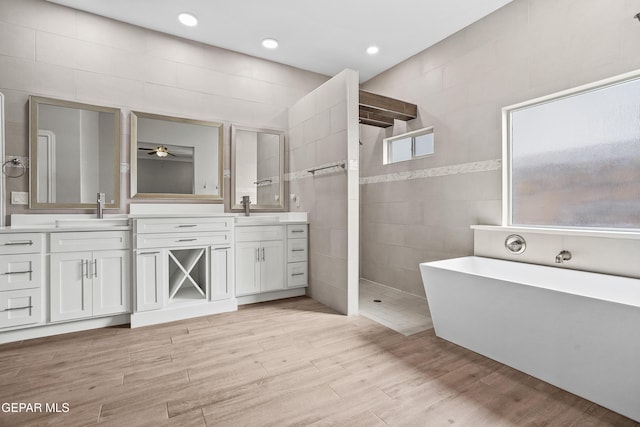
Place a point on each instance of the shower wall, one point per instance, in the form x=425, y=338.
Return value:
x=421, y=210
x=323, y=133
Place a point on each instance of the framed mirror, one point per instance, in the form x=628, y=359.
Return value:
x=74, y=154
x=257, y=165
x=175, y=158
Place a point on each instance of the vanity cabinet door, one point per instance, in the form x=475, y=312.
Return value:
x=221, y=270
x=111, y=282
x=71, y=293
x=151, y=280
x=247, y=268
x=272, y=265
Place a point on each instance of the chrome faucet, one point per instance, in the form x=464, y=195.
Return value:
x=100, y=205
x=563, y=256
x=246, y=203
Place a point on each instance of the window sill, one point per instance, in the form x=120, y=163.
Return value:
x=633, y=235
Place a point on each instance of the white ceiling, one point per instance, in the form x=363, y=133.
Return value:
x=322, y=36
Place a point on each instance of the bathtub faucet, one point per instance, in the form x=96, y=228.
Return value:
x=563, y=256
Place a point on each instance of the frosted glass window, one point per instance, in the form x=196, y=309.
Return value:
x=575, y=160
x=400, y=150
x=408, y=146
x=423, y=145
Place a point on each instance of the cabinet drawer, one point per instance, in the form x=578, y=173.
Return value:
x=20, y=243
x=181, y=239
x=21, y=271
x=21, y=307
x=296, y=274
x=177, y=225
x=296, y=231
x=89, y=241
x=259, y=233
x=296, y=250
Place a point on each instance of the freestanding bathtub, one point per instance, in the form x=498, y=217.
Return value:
x=577, y=330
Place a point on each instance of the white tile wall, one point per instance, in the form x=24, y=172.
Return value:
x=51, y=50
x=606, y=254
x=320, y=137
x=526, y=49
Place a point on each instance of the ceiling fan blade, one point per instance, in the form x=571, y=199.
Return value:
x=171, y=154
x=152, y=153
x=148, y=149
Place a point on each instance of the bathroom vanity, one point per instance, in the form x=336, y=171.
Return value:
x=271, y=259
x=65, y=273
x=183, y=267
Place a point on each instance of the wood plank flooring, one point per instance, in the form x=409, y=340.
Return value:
x=290, y=362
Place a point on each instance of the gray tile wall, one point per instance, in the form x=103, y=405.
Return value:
x=527, y=49
x=323, y=127
x=50, y=50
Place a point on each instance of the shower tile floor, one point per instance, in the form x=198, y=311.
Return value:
x=400, y=311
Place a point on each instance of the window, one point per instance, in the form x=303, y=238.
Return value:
x=408, y=146
x=573, y=159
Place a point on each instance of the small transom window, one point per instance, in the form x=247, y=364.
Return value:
x=408, y=146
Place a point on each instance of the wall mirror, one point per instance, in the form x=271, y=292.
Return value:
x=175, y=158
x=74, y=154
x=257, y=167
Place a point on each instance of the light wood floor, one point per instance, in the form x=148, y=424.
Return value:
x=292, y=362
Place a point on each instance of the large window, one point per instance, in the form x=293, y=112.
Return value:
x=573, y=159
x=408, y=146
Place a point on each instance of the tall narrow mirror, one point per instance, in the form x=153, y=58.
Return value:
x=175, y=158
x=258, y=167
x=74, y=154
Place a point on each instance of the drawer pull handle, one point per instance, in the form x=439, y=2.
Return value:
x=27, y=242
x=297, y=250
x=297, y=274
x=297, y=231
x=186, y=240
x=17, y=272
x=149, y=253
x=186, y=225
x=17, y=308
x=220, y=249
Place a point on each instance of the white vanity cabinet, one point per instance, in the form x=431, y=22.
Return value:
x=182, y=263
x=259, y=259
x=20, y=279
x=297, y=255
x=89, y=274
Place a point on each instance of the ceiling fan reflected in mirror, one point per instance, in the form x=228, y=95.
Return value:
x=160, y=151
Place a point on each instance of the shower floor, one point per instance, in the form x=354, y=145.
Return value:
x=400, y=311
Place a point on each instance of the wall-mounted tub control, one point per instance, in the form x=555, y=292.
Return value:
x=515, y=244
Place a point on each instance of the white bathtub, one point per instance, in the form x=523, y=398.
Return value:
x=577, y=330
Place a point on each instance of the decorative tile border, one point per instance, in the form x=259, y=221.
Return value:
x=483, y=166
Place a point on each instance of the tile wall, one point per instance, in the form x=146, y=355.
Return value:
x=50, y=50
x=421, y=210
x=324, y=133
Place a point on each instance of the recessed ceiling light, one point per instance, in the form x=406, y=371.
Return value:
x=270, y=43
x=372, y=50
x=188, y=19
